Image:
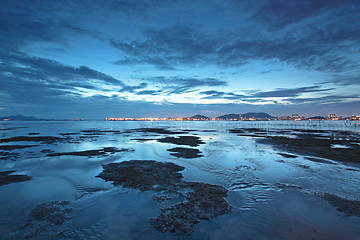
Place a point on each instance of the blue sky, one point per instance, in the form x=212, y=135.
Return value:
x=92, y=59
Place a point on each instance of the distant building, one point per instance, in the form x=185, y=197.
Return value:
x=332, y=116
x=316, y=118
x=296, y=117
x=355, y=118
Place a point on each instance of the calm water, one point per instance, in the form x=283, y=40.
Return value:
x=249, y=170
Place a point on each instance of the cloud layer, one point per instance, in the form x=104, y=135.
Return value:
x=188, y=54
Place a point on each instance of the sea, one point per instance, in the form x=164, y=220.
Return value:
x=272, y=196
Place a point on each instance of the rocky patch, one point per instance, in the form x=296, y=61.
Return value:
x=14, y=147
x=349, y=207
x=92, y=153
x=185, y=152
x=286, y=155
x=192, y=141
x=198, y=201
x=42, y=139
x=7, y=178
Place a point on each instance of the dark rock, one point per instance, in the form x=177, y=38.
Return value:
x=9, y=156
x=143, y=139
x=248, y=130
x=319, y=160
x=54, y=212
x=205, y=201
x=352, y=169
x=197, y=200
x=44, y=139
x=7, y=129
x=192, y=141
x=99, y=132
x=304, y=166
x=185, y=152
x=6, y=178
x=288, y=186
x=349, y=207
x=142, y=175
x=47, y=150
x=68, y=134
x=308, y=144
x=251, y=135
x=286, y=155
x=155, y=130
x=91, y=153
x=13, y=147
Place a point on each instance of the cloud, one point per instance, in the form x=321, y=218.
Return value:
x=294, y=92
x=148, y=92
x=178, y=85
x=347, y=80
x=25, y=66
x=258, y=96
x=166, y=48
x=312, y=35
x=43, y=81
x=41, y=21
x=325, y=49
x=213, y=94
x=133, y=88
x=281, y=13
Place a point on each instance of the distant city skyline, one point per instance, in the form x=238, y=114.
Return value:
x=93, y=59
x=231, y=116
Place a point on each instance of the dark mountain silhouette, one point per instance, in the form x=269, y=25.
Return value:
x=246, y=116
x=21, y=118
x=316, y=118
x=230, y=116
x=257, y=115
x=198, y=116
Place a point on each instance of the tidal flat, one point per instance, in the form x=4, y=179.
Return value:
x=180, y=180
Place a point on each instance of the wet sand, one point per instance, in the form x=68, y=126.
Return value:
x=200, y=184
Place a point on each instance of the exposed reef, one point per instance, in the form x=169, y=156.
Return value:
x=343, y=146
x=316, y=147
x=185, y=152
x=319, y=160
x=192, y=141
x=286, y=155
x=202, y=202
x=155, y=130
x=198, y=200
x=92, y=153
x=7, y=178
x=54, y=212
x=349, y=207
x=42, y=139
x=4, y=155
x=100, y=132
x=45, y=220
x=13, y=147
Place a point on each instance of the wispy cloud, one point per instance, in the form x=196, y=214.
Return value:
x=178, y=85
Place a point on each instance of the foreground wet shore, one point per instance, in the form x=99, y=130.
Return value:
x=175, y=181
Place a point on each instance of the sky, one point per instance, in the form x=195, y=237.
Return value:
x=99, y=58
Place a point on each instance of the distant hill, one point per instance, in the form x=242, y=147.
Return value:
x=257, y=115
x=230, y=116
x=316, y=118
x=20, y=118
x=246, y=116
x=198, y=116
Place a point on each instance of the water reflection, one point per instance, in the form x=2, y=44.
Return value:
x=273, y=196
